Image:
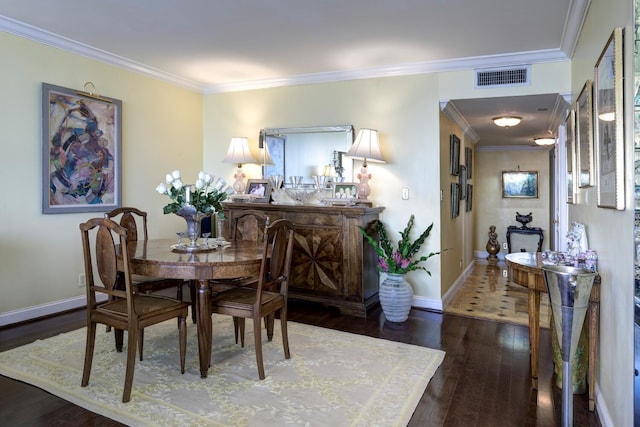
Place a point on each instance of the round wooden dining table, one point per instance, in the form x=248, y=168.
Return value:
x=155, y=258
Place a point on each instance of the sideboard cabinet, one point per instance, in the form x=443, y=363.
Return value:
x=332, y=263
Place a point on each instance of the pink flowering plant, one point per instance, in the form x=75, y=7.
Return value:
x=400, y=260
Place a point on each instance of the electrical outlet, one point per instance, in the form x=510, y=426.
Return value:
x=504, y=273
x=82, y=280
x=504, y=246
x=405, y=194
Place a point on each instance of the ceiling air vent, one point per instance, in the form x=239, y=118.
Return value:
x=501, y=77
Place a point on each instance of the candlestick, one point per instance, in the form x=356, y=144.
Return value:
x=187, y=194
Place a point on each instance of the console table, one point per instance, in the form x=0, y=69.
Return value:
x=525, y=269
x=332, y=264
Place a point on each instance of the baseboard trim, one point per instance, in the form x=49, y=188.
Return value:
x=42, y=310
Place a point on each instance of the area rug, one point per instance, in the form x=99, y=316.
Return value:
x=332, y=379
x=487, y=294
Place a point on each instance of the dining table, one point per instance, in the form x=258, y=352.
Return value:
x=161, y=258
x=525, y=269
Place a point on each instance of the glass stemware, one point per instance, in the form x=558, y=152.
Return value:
x=181, y=235
x=206, y=238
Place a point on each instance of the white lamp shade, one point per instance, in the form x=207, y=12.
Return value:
x=366, y=146
x=239, y=152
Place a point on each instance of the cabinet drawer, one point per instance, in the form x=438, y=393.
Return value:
x=317, y=219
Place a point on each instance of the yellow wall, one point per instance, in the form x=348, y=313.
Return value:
x=610, y=232
x=457, y=233
x=165, y=127
x=492, y=209
x=162, y=130
x=403, y=109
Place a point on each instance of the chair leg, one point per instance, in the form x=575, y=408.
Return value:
x=140, y=342
x=131, y=363
x=182, y=327
x=88, y=353
x=119, y=337
x=285, y=334
x=268, y=324
x=257, y=335
x=238, y=329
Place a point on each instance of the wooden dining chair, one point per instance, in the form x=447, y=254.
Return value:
x=250, y=225
x=123, y=310
x=269, y=297
x=133, y=219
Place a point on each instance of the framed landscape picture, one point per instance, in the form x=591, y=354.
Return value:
x=520, y=184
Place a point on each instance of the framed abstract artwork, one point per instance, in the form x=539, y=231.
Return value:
x=81, y=151
x=585, y=173
x=608, y=120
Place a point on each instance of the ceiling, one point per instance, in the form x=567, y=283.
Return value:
x=217, y=45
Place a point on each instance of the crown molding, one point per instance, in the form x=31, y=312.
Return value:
x=502, y=60
x=573, y=25
x=50, y=39
x=531, y=147
x=448, y=108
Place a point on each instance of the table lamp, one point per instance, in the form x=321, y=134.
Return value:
x=366, y=147
x=239, y=153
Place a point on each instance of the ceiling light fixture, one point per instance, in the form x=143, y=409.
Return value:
x=507, y=121
x=545, y=140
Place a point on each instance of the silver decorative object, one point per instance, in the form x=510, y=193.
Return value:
x=569, y=290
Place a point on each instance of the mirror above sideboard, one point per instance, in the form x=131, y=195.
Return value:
x=306, y=151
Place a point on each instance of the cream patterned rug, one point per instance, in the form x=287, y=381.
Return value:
x=332, y=379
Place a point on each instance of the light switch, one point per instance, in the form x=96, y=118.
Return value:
x=405, y=194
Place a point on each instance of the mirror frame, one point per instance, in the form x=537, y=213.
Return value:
x=265, y=132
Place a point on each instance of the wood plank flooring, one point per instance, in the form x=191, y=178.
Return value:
x=483, y=380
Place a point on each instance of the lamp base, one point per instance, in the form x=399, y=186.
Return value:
x=363, y=188
x=238, y=185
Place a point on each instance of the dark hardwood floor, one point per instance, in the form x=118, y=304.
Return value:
x=483, y=380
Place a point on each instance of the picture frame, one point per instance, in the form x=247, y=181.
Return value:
x=468, y=161
x=608, y=123
x=570, y=150
x=454, y=155
x=463, y=182
x=585, y=171
x=520, y=184
x=259, y=190
x=81, y=151
x=469, y=204
x=345, y=190
x=455, y=199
